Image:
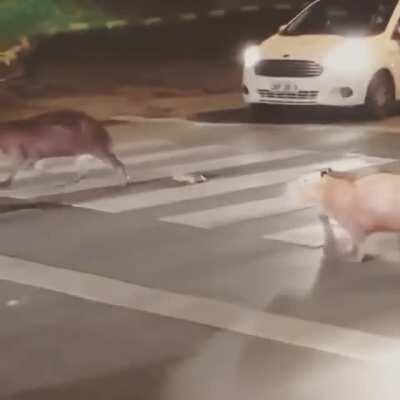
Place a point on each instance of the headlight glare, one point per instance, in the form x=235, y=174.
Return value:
x=353, y=56
x=251, y=56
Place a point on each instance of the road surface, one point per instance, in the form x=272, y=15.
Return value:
x=218, y=290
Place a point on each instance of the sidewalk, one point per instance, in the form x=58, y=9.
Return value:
x=142, y=90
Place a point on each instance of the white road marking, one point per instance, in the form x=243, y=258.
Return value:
x=221, y=186
x=67, y=165
x=370, y=128
x=238, y=160
x=136, y=159
x=384, y=244
x=309, y=235
x=345, y=342
x=55, y=164
x=140, y=144
x=137, y=145
x=222, y=216
x=157, y=173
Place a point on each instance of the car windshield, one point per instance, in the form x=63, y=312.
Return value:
x=343, y=17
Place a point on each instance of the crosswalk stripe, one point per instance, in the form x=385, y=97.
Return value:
x=230, y=214
x=222, y=216
x=65, y=165
x=342, y=341
x=308, y=235
x=140, y=144
x=212, y=164
x=312, y=235
x=236, y=161
x=120, y=147
x=220, y=186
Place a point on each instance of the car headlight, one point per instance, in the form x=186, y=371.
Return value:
x=353, y=56
x=251, y=56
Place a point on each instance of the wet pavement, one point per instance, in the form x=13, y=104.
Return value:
x=165, y=290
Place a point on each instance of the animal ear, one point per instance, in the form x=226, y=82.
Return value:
x=326, y=171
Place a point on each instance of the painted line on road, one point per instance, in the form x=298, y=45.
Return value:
x=234, y=161
x=119, y=148
x=66, y=165
x=231, y=214
x=221, y=186
x=344, y=342
x=140, y=145
x=223, y=216
x=210, y=164
x=318, y=127
x=308, y=236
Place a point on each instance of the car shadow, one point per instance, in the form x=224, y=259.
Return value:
x=287, y=115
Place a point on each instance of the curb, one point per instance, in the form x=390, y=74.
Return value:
x=10, y=55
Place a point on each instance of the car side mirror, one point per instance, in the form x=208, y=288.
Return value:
x=281, y=28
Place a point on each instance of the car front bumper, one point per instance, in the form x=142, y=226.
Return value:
x=328, y=89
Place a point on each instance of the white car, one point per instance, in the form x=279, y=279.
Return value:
x=333, y=53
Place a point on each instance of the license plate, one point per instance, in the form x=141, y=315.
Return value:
x=284, y=87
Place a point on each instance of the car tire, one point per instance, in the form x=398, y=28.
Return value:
x=380, y=100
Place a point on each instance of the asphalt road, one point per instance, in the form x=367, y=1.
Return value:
x=218, y=290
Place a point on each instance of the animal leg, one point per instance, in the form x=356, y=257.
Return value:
x=18, y=165
x=111, y=159
x=82, y=168
x=357, y=253
x=81, y=171
x=330, y=245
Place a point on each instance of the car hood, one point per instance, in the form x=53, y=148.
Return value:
x=303, y=47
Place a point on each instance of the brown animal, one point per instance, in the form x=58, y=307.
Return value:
x=56, y=134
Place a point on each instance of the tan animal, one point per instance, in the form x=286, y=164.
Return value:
x=361, y=206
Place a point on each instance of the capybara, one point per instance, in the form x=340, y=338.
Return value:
x=360, y=205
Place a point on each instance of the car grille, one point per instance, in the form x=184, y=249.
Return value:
x=288, y=68
x=303, y=96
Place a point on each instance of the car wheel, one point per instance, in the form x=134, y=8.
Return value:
x=380, y=99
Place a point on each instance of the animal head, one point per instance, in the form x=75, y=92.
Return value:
x=307, y=188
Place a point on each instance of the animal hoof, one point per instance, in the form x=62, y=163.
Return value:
x=127, y=181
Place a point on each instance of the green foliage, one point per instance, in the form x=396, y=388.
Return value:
x=18, y=17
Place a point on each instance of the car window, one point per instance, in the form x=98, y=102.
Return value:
x=342, y=17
